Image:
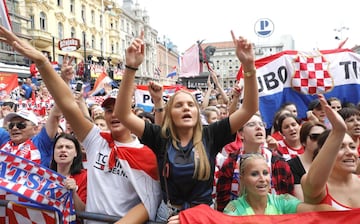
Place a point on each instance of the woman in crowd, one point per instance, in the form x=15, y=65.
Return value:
x=309, y=133
x=290, y=146
x=211, y=114
x=67, y=160
x=255, y=198
x=331, y=178
x=253, y=138
x=184, y=148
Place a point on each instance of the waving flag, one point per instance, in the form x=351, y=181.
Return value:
x=8, y=84
x=99, y=83
x=4, y=15
x=295, y=76
x=190, y=62
x=173, y=73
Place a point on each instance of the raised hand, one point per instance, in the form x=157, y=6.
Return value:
x=67, y=70
x=244, y=52
x=22, y=47
x=135, y=52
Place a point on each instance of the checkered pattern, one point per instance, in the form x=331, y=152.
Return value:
x=21, y=189
x=311, y=75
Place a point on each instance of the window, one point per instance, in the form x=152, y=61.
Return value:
x=72, y=6
x=42, y=21
x=101, y=44
x=93, y=42
x=59, y=2
x=101, y=21
x=60, y=31
x=117, y=48
x=73, y=32
x=92, y=16
x=83, y=13
x=32, y=21
x=112, y=48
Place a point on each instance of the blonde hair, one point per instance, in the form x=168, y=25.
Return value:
x=202, y=164
x=244, y=161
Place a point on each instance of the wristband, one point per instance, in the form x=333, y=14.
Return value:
x=131, y=68
x=249, y=73
x=159, y=110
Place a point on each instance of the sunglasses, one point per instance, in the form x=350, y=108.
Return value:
x=19, y=125
x=314, y=137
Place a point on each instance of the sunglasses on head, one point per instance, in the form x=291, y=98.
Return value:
x=19, y=125
x=314, y=137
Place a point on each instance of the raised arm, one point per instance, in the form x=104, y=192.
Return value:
x=245, y=53
x=314, y=182
x=56, y=86
x=133, y=59
x=156, y=93
x=205, y=102
x=218, y=87
x=236, y=93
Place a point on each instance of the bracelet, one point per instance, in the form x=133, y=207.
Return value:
x=159, y=109
x=43, y=64
x=249, y=73
x=131, y=68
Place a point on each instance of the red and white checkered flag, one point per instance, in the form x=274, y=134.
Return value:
x=311, y=75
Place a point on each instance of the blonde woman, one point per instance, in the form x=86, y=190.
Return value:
x=185, y=149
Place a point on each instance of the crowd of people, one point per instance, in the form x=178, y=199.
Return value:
x=122, y=161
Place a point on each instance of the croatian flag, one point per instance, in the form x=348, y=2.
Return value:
x=295, y=76
x=173, y=73
x=102, y=80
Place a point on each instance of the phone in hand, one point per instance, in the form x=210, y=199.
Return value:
x=79, y=85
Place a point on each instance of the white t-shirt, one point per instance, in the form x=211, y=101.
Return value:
x=116, y=191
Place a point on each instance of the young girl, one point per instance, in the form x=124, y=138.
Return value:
x=185, y=149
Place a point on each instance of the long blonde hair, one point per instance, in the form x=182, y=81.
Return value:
x=202, y=164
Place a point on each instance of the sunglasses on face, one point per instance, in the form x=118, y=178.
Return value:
x=19, y=125
x=314, y=137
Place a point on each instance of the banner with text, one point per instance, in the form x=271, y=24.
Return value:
x=294, y=76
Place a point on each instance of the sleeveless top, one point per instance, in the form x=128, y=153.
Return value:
x=329, y=200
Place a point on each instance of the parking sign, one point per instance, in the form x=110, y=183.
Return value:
x=264, y=27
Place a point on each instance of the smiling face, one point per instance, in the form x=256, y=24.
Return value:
x=64, y=151
x=347, y=157
x=255, y=177
x=184, y=111
x=20, y=135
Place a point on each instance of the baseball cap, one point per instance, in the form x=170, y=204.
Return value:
x=26, y=114
x=110, y=99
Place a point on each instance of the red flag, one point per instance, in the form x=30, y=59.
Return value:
x=4, y=15
x=8, y=83
x=204, y=214
x=190, y=62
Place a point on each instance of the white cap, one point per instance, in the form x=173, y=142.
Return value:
x=26, y=114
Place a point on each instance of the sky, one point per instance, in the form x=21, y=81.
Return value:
x=311, y=23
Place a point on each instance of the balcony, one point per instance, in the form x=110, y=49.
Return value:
x=114, y=34
x=40, y=38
